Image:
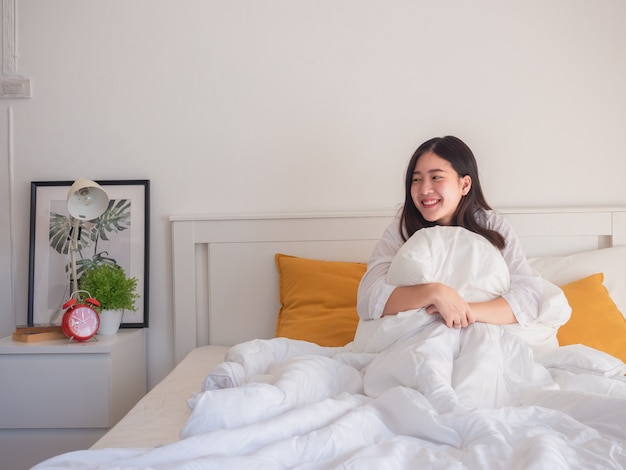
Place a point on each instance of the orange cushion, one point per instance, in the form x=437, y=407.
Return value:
x=318, y=299
x=595, y=320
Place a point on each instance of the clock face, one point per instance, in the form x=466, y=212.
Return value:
x=81, y=322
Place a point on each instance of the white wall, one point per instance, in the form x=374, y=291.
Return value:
x=248, y=106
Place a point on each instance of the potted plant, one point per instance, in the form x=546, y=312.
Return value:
x=116, y=292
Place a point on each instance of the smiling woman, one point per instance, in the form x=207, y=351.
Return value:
x=448, y=160
x=442, y=187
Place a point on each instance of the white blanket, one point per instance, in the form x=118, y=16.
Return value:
x=291, y=404
x=418, y=395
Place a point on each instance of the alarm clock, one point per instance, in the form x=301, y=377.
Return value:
x=80, y=320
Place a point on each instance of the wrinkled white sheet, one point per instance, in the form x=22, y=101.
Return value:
x=480, y=399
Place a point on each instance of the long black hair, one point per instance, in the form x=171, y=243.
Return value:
x=461, y=157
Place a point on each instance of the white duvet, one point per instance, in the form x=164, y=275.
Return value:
x=407, y=393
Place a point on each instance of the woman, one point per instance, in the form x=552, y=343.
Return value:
x=442, y=188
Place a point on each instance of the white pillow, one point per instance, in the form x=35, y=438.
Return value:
x=454, y=256
x=564, y=269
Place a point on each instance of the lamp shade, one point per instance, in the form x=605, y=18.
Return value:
x=86, y=200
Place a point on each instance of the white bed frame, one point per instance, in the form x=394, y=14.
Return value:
x=226, y=284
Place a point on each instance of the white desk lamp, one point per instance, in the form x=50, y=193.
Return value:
x=86, y=200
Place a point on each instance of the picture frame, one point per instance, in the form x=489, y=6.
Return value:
x=120, y=236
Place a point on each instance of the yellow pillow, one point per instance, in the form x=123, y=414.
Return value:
x=318, y=299
x=595, y=320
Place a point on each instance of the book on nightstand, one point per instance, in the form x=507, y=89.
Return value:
x=32, y=334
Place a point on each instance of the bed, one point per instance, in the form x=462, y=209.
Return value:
x=240, y=397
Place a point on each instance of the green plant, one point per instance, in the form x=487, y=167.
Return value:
x=108, y=284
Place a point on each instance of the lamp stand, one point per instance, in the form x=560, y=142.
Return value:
x=73, y=249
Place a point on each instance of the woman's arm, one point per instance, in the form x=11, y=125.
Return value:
x=497, y=311
x=374, y=291
x=524, y=297
x=436, y=298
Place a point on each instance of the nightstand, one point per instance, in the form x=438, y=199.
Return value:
x=46, y=411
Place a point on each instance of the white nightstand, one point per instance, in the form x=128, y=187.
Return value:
x=59, y=396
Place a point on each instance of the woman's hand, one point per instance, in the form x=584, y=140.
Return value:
x=455, y=311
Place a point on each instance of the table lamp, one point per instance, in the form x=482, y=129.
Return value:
x=86, y=200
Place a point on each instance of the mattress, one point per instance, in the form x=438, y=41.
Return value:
x=160, y=415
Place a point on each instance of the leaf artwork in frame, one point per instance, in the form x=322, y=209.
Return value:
x=118, y=237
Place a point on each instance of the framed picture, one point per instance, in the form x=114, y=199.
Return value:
x=119, y=236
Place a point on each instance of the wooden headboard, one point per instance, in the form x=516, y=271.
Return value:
x=225, y=280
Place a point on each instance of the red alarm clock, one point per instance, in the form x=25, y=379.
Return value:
x=80, y=320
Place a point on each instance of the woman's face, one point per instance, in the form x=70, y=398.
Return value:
x=437, y=188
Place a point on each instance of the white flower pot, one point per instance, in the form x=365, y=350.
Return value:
x=110, y=321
